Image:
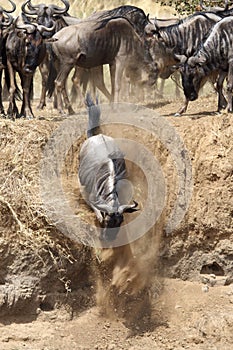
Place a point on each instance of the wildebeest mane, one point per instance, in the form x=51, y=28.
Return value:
x=134, y=15
x=105, y=185
x=105, y=21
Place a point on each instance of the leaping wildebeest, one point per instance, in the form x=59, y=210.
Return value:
x=25, y=49
x=92, y=43
x=101, y=171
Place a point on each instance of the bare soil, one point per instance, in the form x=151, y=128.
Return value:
x=190, y=292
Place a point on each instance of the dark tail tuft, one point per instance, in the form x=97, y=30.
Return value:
x=93, y=116
x=50, y=86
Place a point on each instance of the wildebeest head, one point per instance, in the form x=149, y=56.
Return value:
x=5, y=18
x=192, y=74
x=32, y=35
x=45, y=14
x=113, y=218
x=5, y=21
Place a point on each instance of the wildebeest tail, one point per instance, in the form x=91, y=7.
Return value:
x=93, y=116
x=52, y=74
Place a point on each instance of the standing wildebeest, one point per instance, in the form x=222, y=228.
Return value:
x=25, y=50
x=216, y=54
x=138, y=19
x=90, y=44
x=5, y=22
x=183, y=38
x=48, y=16
x=101, y=171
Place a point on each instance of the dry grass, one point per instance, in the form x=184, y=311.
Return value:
x=23, y=221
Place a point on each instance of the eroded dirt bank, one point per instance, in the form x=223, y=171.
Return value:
x=48, y=283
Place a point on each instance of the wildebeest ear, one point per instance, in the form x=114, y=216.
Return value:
x=194, y=60
x=128, y=208
x=131, y=210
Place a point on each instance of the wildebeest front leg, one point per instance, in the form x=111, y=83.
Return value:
x=97, y=213
x=1, y=105
x=12, y=111
x=183, y=108
x=26, y=110
x=230, y=86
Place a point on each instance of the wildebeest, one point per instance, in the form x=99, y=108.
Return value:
x=5, y=22
x=182, y=38
x=102, y=169
x=25, y=50
x=48, y=15
x=216, y=54
x=91, y=43
x=137, y=18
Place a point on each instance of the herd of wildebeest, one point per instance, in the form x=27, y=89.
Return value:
x=136, y=47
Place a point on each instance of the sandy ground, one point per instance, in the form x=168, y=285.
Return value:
x=185, y=315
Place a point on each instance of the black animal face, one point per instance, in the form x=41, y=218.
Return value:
x=34, y=51
x=191, y=81
x=111, y=226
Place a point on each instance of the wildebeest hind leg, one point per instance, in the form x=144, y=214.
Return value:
x=98, y=81
x=230, y=87
x=222, y=103
x=60, y=83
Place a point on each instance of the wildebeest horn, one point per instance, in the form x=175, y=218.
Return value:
x=192, y=61
x=156, y=24
x=59, y=10
x=29, y=28
x=13, y=7
x=31, y=10
x=9, y=20
x=42, y=28
x=128, y=207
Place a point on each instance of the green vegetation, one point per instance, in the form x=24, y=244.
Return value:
x=188, y=7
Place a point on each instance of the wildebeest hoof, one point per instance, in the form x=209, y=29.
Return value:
x=41, y=106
